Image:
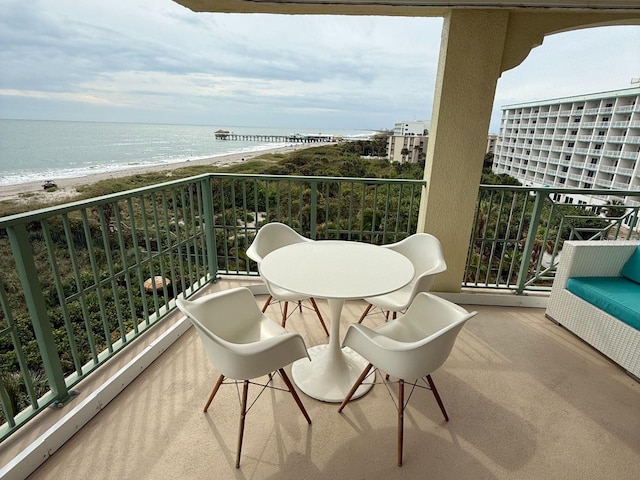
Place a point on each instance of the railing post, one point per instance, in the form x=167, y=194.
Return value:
x=37, y=308
x=210, y=231
x=313, y=221
x=531, y=239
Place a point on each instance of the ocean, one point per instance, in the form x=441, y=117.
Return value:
x=38, y=150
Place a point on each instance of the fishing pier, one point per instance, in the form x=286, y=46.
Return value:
x=293, y=138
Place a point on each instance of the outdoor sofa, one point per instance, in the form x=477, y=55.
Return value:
x=596, y=295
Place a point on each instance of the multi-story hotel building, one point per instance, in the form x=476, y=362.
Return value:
x=587, y=141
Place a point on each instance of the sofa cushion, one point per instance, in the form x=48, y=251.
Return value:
x=617, y=296
x=631, y=269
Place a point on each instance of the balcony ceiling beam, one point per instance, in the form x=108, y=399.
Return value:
x=396, y=7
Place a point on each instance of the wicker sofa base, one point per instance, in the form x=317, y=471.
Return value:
x=607, y=334
x=614, y=338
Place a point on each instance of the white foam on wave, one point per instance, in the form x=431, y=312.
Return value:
x=41, y=176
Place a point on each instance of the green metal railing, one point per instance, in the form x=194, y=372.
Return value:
x=367, y=210
x=519, y=231
x=82, y=280
x=79, y=284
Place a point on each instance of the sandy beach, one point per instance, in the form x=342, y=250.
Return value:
x=67, y=186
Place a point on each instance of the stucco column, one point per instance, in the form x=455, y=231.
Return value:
x=469, y=67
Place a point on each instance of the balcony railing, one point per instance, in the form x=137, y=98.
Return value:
x=82, y=280
x=519, y=231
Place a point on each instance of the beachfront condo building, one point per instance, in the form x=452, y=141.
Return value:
x=586, y=141
x=408, y=143
x=407, y=148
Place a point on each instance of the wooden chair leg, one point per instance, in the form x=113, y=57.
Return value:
x=267, y=303
x=400, y=420
x=243, y=414
x=284, y=314
x=300, y=305
x=395, y=314
x=432, y=386
x=293, y=392
x=364, y=314
x=315, y=307
x=213, y=393
x=352, y=392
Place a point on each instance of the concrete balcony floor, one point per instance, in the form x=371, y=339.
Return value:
x=526, y=400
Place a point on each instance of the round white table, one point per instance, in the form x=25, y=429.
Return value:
x=335, y=270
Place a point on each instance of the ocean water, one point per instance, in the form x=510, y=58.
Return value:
x=38, y=150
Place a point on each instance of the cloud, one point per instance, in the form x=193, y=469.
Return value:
x=153, y=60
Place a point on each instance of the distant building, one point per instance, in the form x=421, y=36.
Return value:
x=586, y=141
x=408, y=143
x=415, y=127
x=492, y=139
x=409, y=140
x=407, y=148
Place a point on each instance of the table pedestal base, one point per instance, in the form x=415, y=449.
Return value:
x=330, y=374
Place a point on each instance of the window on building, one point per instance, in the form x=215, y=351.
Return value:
x=609, y=105
x=571, y=144
x=567, y=157
x=601, y=133
x=590, y=173
x=605, y=119
x=598, y=146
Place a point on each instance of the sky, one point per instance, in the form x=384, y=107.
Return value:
x=154, y=61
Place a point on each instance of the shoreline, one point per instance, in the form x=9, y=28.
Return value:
x=67, y=186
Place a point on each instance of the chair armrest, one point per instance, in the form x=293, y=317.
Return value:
x=358, y=335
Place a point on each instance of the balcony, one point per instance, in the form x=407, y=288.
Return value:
x=529, y=401
x=526, y=399
x=189, y=232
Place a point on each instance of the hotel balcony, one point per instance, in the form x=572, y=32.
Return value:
x=516, y=386
x=526, y=399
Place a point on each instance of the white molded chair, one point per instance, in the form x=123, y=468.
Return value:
x=270, y=237
x=243, y=344
x=425, y=253
x=409, y=348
